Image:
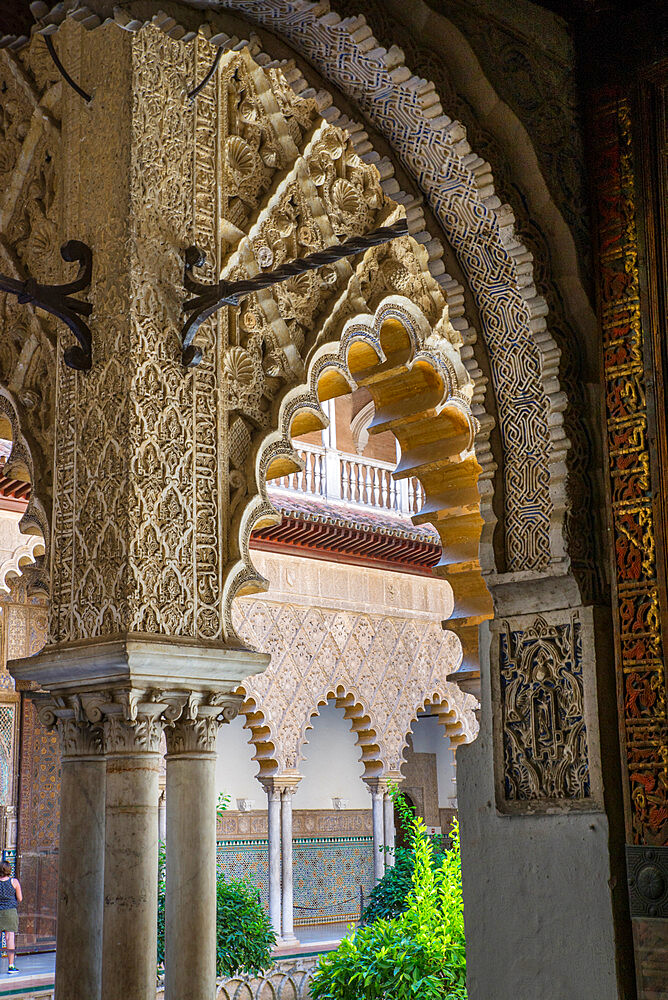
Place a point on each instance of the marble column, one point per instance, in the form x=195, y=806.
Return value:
x=274, y=841
x=129, y=940
x=377, y=795
x=287, y=909
x=388, y=815
x=80, y=857
x=190, y=904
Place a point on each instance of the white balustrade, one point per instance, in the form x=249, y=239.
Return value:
x=333, y=475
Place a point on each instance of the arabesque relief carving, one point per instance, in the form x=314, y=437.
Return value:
x=161, y=471
x=380, y=668
x=544, y=735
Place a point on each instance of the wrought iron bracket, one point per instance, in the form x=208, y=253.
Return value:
x=200, y=86
x=57, y=300
x=63, y=72
x=208, y=299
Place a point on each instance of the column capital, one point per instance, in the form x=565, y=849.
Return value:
x=78, y=736
x=377, y=786
x=193, y=720
x=281, y=784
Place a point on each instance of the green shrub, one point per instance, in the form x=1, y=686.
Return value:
x=244, y=935
x=161, y=904
x=389, y=897
x=419, y=955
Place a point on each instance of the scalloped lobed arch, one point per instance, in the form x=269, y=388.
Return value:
x=458, y=185
x=35, y=521
x=421, y=393
x=407, y=112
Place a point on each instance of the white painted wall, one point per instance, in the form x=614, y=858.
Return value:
x=333, y=768
x=235, y=769
x=429, y=737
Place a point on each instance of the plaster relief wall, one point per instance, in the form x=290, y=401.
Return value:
x=371, y=638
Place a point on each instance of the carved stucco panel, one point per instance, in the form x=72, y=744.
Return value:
x=387, y=665
x=545, y=725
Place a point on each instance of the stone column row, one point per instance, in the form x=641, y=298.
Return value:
x=279, y=830
x=107, y=890
x=382, y=817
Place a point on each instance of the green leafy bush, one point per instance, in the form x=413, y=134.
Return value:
x=244, y=935
x=418, y=955
x=389, y=897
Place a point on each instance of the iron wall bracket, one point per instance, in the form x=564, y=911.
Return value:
x=57, y=300
x=210, y=298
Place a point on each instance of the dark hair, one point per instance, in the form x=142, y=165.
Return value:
x=5, y=869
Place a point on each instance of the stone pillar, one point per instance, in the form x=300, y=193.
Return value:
x=129, y=940
x=388, y=814
x=287, y=909
x=81, y=854
x=377, y=795
x=190, y=908
x=274, y=846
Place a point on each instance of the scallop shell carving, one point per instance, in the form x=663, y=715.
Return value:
x=345, y=197
x=240, y=155
x=238, y=366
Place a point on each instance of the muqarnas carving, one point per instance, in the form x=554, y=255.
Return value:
x=545, y=754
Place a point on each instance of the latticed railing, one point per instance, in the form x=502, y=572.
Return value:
x=333, y=475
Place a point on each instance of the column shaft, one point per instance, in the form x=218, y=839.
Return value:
x=274, y=839
x=286, y=854
x=377, y=819
x=131, y=877
x=190, y=907
x=80, y=879
x=388, y=811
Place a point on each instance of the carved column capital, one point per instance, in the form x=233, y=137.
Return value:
x=194, y=728
x=140, y=735
x=192, y=736
x=78, y=736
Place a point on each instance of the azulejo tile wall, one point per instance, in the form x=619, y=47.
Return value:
x=328, y=874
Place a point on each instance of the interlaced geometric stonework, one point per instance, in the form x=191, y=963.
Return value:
x=542, y=704
x=381, y=669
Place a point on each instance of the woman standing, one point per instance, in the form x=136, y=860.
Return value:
x=10, y=896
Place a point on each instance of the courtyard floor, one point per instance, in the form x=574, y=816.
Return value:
x=38, y=970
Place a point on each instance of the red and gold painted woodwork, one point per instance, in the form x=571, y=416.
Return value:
x=639, y=638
